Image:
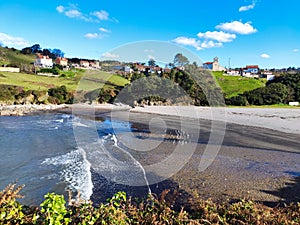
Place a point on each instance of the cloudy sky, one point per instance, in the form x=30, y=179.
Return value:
x=262, y=32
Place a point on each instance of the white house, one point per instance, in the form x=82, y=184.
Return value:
x=214, y=66
x=84, y=63
x=43, y=61
x=269, y=75
x=233, y=73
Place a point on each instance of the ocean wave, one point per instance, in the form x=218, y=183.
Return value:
x=75, y=171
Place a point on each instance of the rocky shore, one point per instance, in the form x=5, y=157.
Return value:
x=21, y=110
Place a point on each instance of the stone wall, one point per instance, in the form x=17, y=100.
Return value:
x=10, y=69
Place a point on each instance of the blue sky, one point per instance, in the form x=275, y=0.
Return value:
x=262, y=32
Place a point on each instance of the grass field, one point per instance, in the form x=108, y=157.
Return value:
x=86, y=81
x=9, y=56
x=92, y=80
x=234, y=85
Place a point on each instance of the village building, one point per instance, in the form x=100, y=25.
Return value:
x=95, y=64
x=61, y=61
x=234, y=72
x=43, y=61
x=250, y=71
x=253, y=69
x=268, y=74
x=214, y=66
x=84, y=63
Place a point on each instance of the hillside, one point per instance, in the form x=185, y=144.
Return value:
x=14, y=57
x=234, y=85
x=90, y=82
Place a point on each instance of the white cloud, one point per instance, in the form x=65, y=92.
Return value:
x=60, y=9
x=237, y=27
x=219, y=36
x=188, y=42
x=73, y=13
x=211, y=44
x=265, y=56
x=296, y=50
x=247, y=7
x=11, y=41
x=104, y=30
x=110, y=55
x=197, y=43
x=101, y=15
x=94, y=36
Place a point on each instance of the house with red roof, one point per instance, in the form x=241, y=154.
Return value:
x=252, y=69
x=61, y=61
x=43, y=61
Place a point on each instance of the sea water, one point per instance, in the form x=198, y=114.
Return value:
x=42, y=153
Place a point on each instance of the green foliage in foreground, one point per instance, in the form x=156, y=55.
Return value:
x=122, y=210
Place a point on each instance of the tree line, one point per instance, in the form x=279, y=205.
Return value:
x=282, y=90
x=36, y=48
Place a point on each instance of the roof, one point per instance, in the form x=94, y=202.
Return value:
x=62, y=59
x=252, y=67
x=40, y=56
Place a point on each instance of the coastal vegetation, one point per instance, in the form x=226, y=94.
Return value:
x=153, y=210
x=281, y=90
x=99, y=86
x=235, y=85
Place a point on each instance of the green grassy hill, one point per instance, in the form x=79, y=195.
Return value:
x=74, y=80
x=88, y=81
x=234, y=85
x=15, y=57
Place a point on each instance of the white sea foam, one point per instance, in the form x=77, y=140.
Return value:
x=114, y=138
x=75, y=171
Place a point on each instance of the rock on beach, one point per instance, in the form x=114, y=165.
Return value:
x=20, y=110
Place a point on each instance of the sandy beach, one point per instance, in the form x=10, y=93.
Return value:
x=285, y=120
x=280, y=119
x=258, y=157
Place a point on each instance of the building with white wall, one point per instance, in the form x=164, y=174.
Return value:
x=43, y=61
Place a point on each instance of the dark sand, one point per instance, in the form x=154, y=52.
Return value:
x=253, y=163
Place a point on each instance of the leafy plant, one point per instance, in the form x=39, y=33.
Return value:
x=54, y=210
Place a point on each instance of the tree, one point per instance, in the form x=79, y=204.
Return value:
x=26, y=51
x=151, y=62
x=274, y=93
x=35, y=48
x=48, y=53
x=180, y=60
x=57, y=53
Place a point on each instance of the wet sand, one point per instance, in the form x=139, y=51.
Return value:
x=253, y=162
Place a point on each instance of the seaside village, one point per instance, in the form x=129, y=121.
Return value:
x=42, y=61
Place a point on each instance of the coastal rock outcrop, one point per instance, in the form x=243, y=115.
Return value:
x=20, y=110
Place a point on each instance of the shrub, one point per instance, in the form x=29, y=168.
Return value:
x=152, y=210
x=59, y=94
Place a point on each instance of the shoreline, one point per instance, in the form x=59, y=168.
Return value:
x=23, y=110
x=280, y=119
